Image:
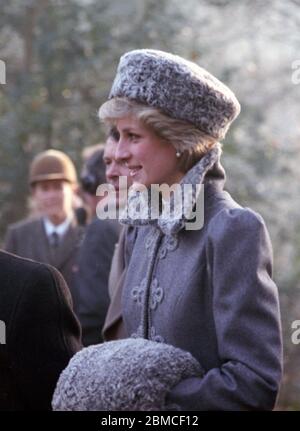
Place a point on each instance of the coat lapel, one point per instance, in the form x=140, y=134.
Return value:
x=41, y=243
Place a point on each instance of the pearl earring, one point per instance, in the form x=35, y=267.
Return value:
x=178, y=153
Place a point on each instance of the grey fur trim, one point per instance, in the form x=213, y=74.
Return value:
x=178, y=87
x=130, y=374
x=170, y=225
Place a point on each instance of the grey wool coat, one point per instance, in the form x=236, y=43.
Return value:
x=208, y=292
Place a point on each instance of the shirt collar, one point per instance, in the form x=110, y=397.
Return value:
x=60, y=229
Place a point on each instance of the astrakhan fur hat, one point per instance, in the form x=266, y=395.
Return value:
x=179, y=88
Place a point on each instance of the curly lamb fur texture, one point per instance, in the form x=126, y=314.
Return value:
x=170, y=225
x=178, y=87
x=124, y=375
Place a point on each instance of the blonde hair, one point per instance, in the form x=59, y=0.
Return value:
x=191, y=142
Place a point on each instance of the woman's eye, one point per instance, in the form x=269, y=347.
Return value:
x=133, y=136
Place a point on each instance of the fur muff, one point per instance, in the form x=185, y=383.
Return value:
x=131, y=374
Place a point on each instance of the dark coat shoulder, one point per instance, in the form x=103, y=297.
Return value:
x=91, y=288
x=42, y=333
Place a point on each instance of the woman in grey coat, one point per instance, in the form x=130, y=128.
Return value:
x=199, y=276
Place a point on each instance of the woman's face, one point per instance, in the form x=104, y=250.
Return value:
x=150, y=160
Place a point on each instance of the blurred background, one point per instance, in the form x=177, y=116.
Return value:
x=61, y=56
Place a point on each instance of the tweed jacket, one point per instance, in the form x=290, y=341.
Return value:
x=42, y=333
x=209, y=292
x=28, y=239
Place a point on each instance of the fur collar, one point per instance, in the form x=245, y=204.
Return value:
x=141, y=210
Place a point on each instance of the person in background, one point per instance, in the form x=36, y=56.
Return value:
x=92, y=175
x=42, y=333
x=114, y=328
x=53, y=236
x=94, y=260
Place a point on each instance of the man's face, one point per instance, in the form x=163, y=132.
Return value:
x=114, y=169
x=54, y=199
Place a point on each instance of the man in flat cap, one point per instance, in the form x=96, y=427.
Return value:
x=53, y=236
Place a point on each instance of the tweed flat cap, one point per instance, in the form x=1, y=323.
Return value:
x=131, y=374
x=178, y=87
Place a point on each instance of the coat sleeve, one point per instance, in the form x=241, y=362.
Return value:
x=45, y=335
x=246, y=316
